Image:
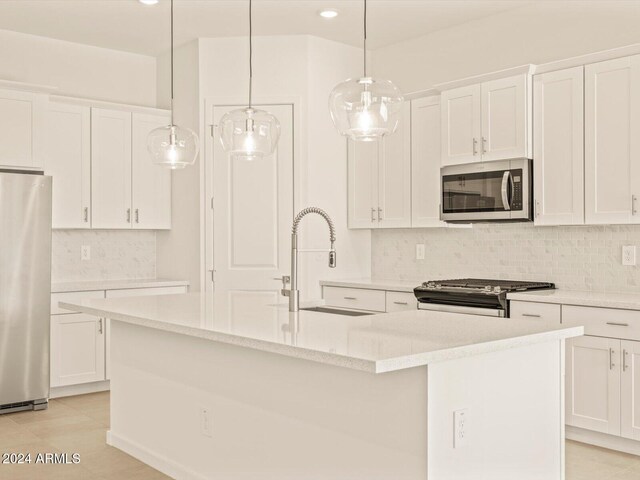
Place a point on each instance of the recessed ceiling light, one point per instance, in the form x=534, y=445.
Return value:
x=149, y=2
x=328, y=13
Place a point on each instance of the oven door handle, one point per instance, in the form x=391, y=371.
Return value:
x=507, y=181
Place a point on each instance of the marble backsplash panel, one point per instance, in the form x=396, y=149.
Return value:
x=575, y=258
x=115, y=255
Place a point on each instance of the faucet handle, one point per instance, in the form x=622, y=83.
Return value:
x=286, y=280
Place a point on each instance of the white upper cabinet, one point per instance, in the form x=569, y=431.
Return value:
x=68, y=161
x=363, y=159
x=612, y=143
x=22, y=118
x=151, y=184
x=111, y=165
x=380, y=179
x=425, y=162
x=461, y=125
x=558, y=150
x=487, y=121
x=394, y=175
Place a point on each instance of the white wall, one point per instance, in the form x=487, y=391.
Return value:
x=537, y=33
x=78, y=70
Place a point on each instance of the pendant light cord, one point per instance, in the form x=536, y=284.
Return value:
x=171, y=62
x=365, y=38
x=250, y=52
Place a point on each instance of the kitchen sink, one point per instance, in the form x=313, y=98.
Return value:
x=336, y=311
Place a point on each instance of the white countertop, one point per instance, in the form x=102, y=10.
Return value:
x=628, y=301
x=372, y=284
x=375, y=343
x=85, y=286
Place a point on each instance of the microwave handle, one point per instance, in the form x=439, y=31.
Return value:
x=507, y=181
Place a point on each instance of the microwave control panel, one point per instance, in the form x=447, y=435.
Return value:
x=516, y=200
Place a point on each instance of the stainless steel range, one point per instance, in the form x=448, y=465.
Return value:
x=472, y=295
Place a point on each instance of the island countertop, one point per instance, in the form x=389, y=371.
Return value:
x=373, y=343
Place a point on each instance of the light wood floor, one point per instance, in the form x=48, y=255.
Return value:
x=79, y=425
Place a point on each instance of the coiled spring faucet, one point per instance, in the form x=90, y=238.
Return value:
x=293, y=293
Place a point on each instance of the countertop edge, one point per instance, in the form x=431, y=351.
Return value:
x=570, y=299
x=374, y=285
x=91, y=285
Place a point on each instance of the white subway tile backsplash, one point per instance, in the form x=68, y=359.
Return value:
x=575, y=258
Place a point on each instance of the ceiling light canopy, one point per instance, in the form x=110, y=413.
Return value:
x=365, y=109
x=172, y=146
x=148, y=2
x=249, y=133
x=328, y=13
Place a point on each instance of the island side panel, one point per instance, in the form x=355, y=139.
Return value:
x=514, y=420
x=270, y=416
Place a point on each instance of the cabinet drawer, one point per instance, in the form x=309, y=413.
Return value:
x=355, y=298
x=72, y=297
x=139, y=292
x=401, y=301
x=548, y=312
x=603, y=322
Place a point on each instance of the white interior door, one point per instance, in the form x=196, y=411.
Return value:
x=558, y=147
x=151, y=184
x=504, y=118
x=425, y=162
x=363, y=160
x=612, y=118
x=252, y=213
x=394, y=176
x=461, y=125
x=593, y=384
x=630, y=390
x=68, y=161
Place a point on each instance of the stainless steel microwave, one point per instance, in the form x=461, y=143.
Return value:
x=497, y=191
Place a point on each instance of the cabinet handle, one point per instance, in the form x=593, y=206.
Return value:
x=100, y=326
x=633, y=204
x=616, y=324
x=86, y=214
x=379, y=214
x=624, y=360
x=475, y=147
x=482, y=149
x=611, y=364
x=350, y=298
x=533, y=315
x=537, y=208
x=373, y=214
x=401, y=303
x=128, y=215
x=137, y=216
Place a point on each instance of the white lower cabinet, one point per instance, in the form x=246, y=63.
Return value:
x=77, y=349
x=630, y=390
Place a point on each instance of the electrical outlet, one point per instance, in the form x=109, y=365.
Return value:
x=85, y=252
x=206, y=422
x=460, y=428
x=419, y=251
x=629, y=255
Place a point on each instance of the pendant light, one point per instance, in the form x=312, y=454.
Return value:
x=173, y=146
x=365, y=109
x=249, y=133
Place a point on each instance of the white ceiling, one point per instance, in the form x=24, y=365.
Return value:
x=130, y=26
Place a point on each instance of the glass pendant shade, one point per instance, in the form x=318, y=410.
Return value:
x=365, y=109
x=173, y=146
x=249, y=133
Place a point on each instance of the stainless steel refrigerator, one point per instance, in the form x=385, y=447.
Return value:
x=25, y=290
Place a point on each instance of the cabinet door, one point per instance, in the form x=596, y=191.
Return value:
x=68, y=161
x=363, y=160
x=22, y=129
x=505, y=122
x=425, y=162
x=630, y=390
x=394, y=176
x=461, y=122
x=151, y=184
x=77, y=349
x=593, y=384
x=612, y=149
x=558, y=147
x=111, y=168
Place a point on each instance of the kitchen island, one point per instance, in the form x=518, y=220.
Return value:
x=234, y=386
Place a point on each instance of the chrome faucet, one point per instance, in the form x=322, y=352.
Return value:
x=292, y=292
